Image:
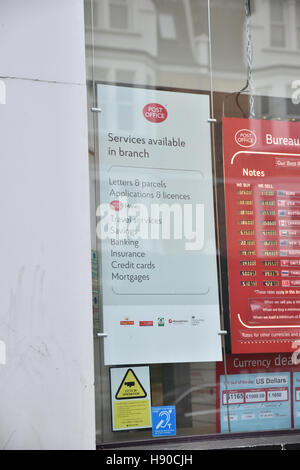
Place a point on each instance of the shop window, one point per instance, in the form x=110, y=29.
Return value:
x=172, y=56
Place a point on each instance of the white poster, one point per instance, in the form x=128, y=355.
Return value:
x=155, y=223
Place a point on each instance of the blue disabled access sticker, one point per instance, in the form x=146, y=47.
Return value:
x=163, y=421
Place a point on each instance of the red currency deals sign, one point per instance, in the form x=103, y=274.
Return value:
x=262, y=197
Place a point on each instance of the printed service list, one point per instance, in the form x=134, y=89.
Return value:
x=156, y=227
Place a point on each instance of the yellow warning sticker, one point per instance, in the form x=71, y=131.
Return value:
x=130, y=392
x=128, y=414
x=130, y=387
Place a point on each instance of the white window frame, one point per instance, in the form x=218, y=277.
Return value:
x=104, y=15
x=282, y=24
x=172, y=33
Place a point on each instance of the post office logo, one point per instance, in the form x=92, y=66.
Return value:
x=116, y=205
x=245, y=138
x=155, y=112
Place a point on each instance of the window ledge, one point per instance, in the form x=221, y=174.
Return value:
x=268, y=440
x=123, y=32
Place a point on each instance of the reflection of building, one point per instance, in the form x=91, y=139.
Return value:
x=165, y=43
x=124, y=46
x=276, y=45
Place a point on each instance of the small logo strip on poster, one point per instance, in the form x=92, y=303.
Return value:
x=126, y=322
x=146, y=323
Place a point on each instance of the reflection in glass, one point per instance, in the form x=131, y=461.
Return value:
x=165, y=43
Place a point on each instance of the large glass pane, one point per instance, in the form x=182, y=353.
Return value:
x=168, y=44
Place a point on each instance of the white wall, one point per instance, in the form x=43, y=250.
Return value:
x=46, y=385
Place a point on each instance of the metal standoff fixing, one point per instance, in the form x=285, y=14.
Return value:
x=102, y=335
x=96, y=110
x=222, y=332
x=211, y=120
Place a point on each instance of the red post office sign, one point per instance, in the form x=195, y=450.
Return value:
x=262, y=197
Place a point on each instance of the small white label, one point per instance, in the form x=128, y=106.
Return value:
x=248, y=416
x=266, y=415
x=255, y=397
x=233, y=398
x=277, y=395
x=231, y=418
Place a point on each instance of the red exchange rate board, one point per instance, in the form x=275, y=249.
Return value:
x=262, y=197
